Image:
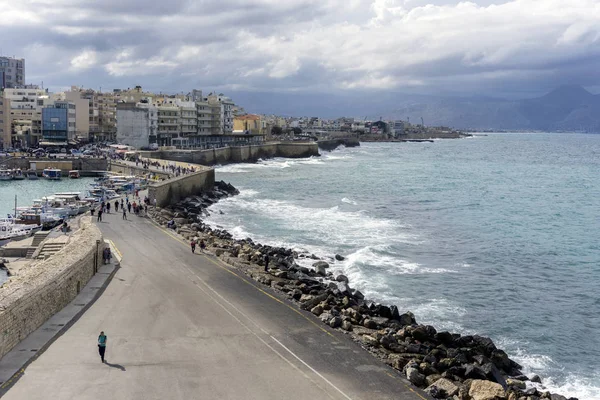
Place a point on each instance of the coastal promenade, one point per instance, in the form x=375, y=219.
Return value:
x=187, y=326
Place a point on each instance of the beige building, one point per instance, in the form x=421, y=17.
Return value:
x=26, y=114
x=82, y=113
x=12, y=72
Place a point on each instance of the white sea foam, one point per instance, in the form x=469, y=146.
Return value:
x=349, y=201
x=570, y=385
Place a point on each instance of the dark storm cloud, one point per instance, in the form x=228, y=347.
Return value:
x=425, y=46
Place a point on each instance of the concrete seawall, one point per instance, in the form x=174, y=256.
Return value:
x=87, y=166
x=173, y=190
x=46, y=286
x=237, y=154
x=127, y=169
x=332, y=144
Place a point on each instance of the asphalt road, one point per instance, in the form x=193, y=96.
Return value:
x=186, y=326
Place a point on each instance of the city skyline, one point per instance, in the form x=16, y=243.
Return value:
x=519, y=48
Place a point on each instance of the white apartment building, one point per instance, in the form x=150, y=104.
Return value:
x=25, y=115
x=137, y=124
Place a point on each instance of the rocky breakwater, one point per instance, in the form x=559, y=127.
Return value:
x=447, y=365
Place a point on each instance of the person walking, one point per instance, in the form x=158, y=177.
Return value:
x=122, y=203
x=124, y=214
x=266, y=259
x=193, y=245
x=102, y=345
x=128, y=206
x=116, y=205
x=202, y=245
x=108, y=207
x=100, y=214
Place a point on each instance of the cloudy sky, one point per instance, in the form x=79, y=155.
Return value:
x=491, y=47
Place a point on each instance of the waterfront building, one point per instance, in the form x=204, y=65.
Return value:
x=137, y=124
x=5, y=133
x=12, y=72
x=168, y=124
x=25, y=117
x=397, y=127
x=58, y=124
x=250, y=123
x=82, y=113
x=222, y=110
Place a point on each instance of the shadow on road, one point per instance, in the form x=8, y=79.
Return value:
x=122, y=368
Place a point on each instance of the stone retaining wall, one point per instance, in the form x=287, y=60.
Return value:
x=47, y=286
x=173, y=190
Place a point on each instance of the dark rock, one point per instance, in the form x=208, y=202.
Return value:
x=474, y=372
x=536, y=379
x=369, y=323
x=444, y=337
x=339, y=258
x=406, y=319
x=384, y=311
x=335, y=322
x=341, y=278
x=343, y=288
x=320, y=264
x=357, y=293
x=420, y=334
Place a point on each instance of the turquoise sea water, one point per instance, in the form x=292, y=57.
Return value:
x=496, y=235
x=26, y=191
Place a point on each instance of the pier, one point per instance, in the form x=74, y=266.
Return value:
x=187, y=326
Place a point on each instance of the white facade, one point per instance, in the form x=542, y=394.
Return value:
x=137, y=124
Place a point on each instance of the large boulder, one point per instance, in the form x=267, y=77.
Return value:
x=415, y=377
x=342, y=278
x=339, y=258
x=444, y=388
x=320, y=269
x=320, y=264
x=486, y=390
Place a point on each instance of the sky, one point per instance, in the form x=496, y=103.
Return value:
x=518, y=48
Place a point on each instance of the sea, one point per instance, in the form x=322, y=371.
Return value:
x=497, y=235
x=26, y=191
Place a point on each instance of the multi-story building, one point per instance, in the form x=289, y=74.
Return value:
x=222, y=109
x=168, y=124
x=5, y=133
x=107, y=113
x=26, y=115
x=58, y=123
x=82, y=112
x=137, y=124
x=12, y=72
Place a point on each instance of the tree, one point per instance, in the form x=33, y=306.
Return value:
x=276, y=130
x=297, y=131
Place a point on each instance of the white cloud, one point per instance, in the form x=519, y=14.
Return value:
x=85, y=60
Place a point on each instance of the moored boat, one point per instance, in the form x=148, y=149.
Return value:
x=18, y=174
x=52, y=173
x=74, y=174
x=5, y=174
x=31, y=174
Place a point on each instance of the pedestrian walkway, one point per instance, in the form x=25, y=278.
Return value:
x=12, y=365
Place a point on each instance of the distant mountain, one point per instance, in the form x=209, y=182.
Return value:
x=565, y=108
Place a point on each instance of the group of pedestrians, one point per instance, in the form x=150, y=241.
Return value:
x=201, y=244
x=136, y=206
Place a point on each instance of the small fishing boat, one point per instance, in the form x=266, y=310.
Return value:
x=18, y=174
x=31, y=174
x=52, y=174
x=5, y=174
x=74, y=174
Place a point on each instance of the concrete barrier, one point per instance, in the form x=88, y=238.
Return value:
x=237, y=154
x=47, y=286
x=128, y=169
x=173, y=190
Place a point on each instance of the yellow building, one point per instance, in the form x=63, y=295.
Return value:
x=249, y=122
